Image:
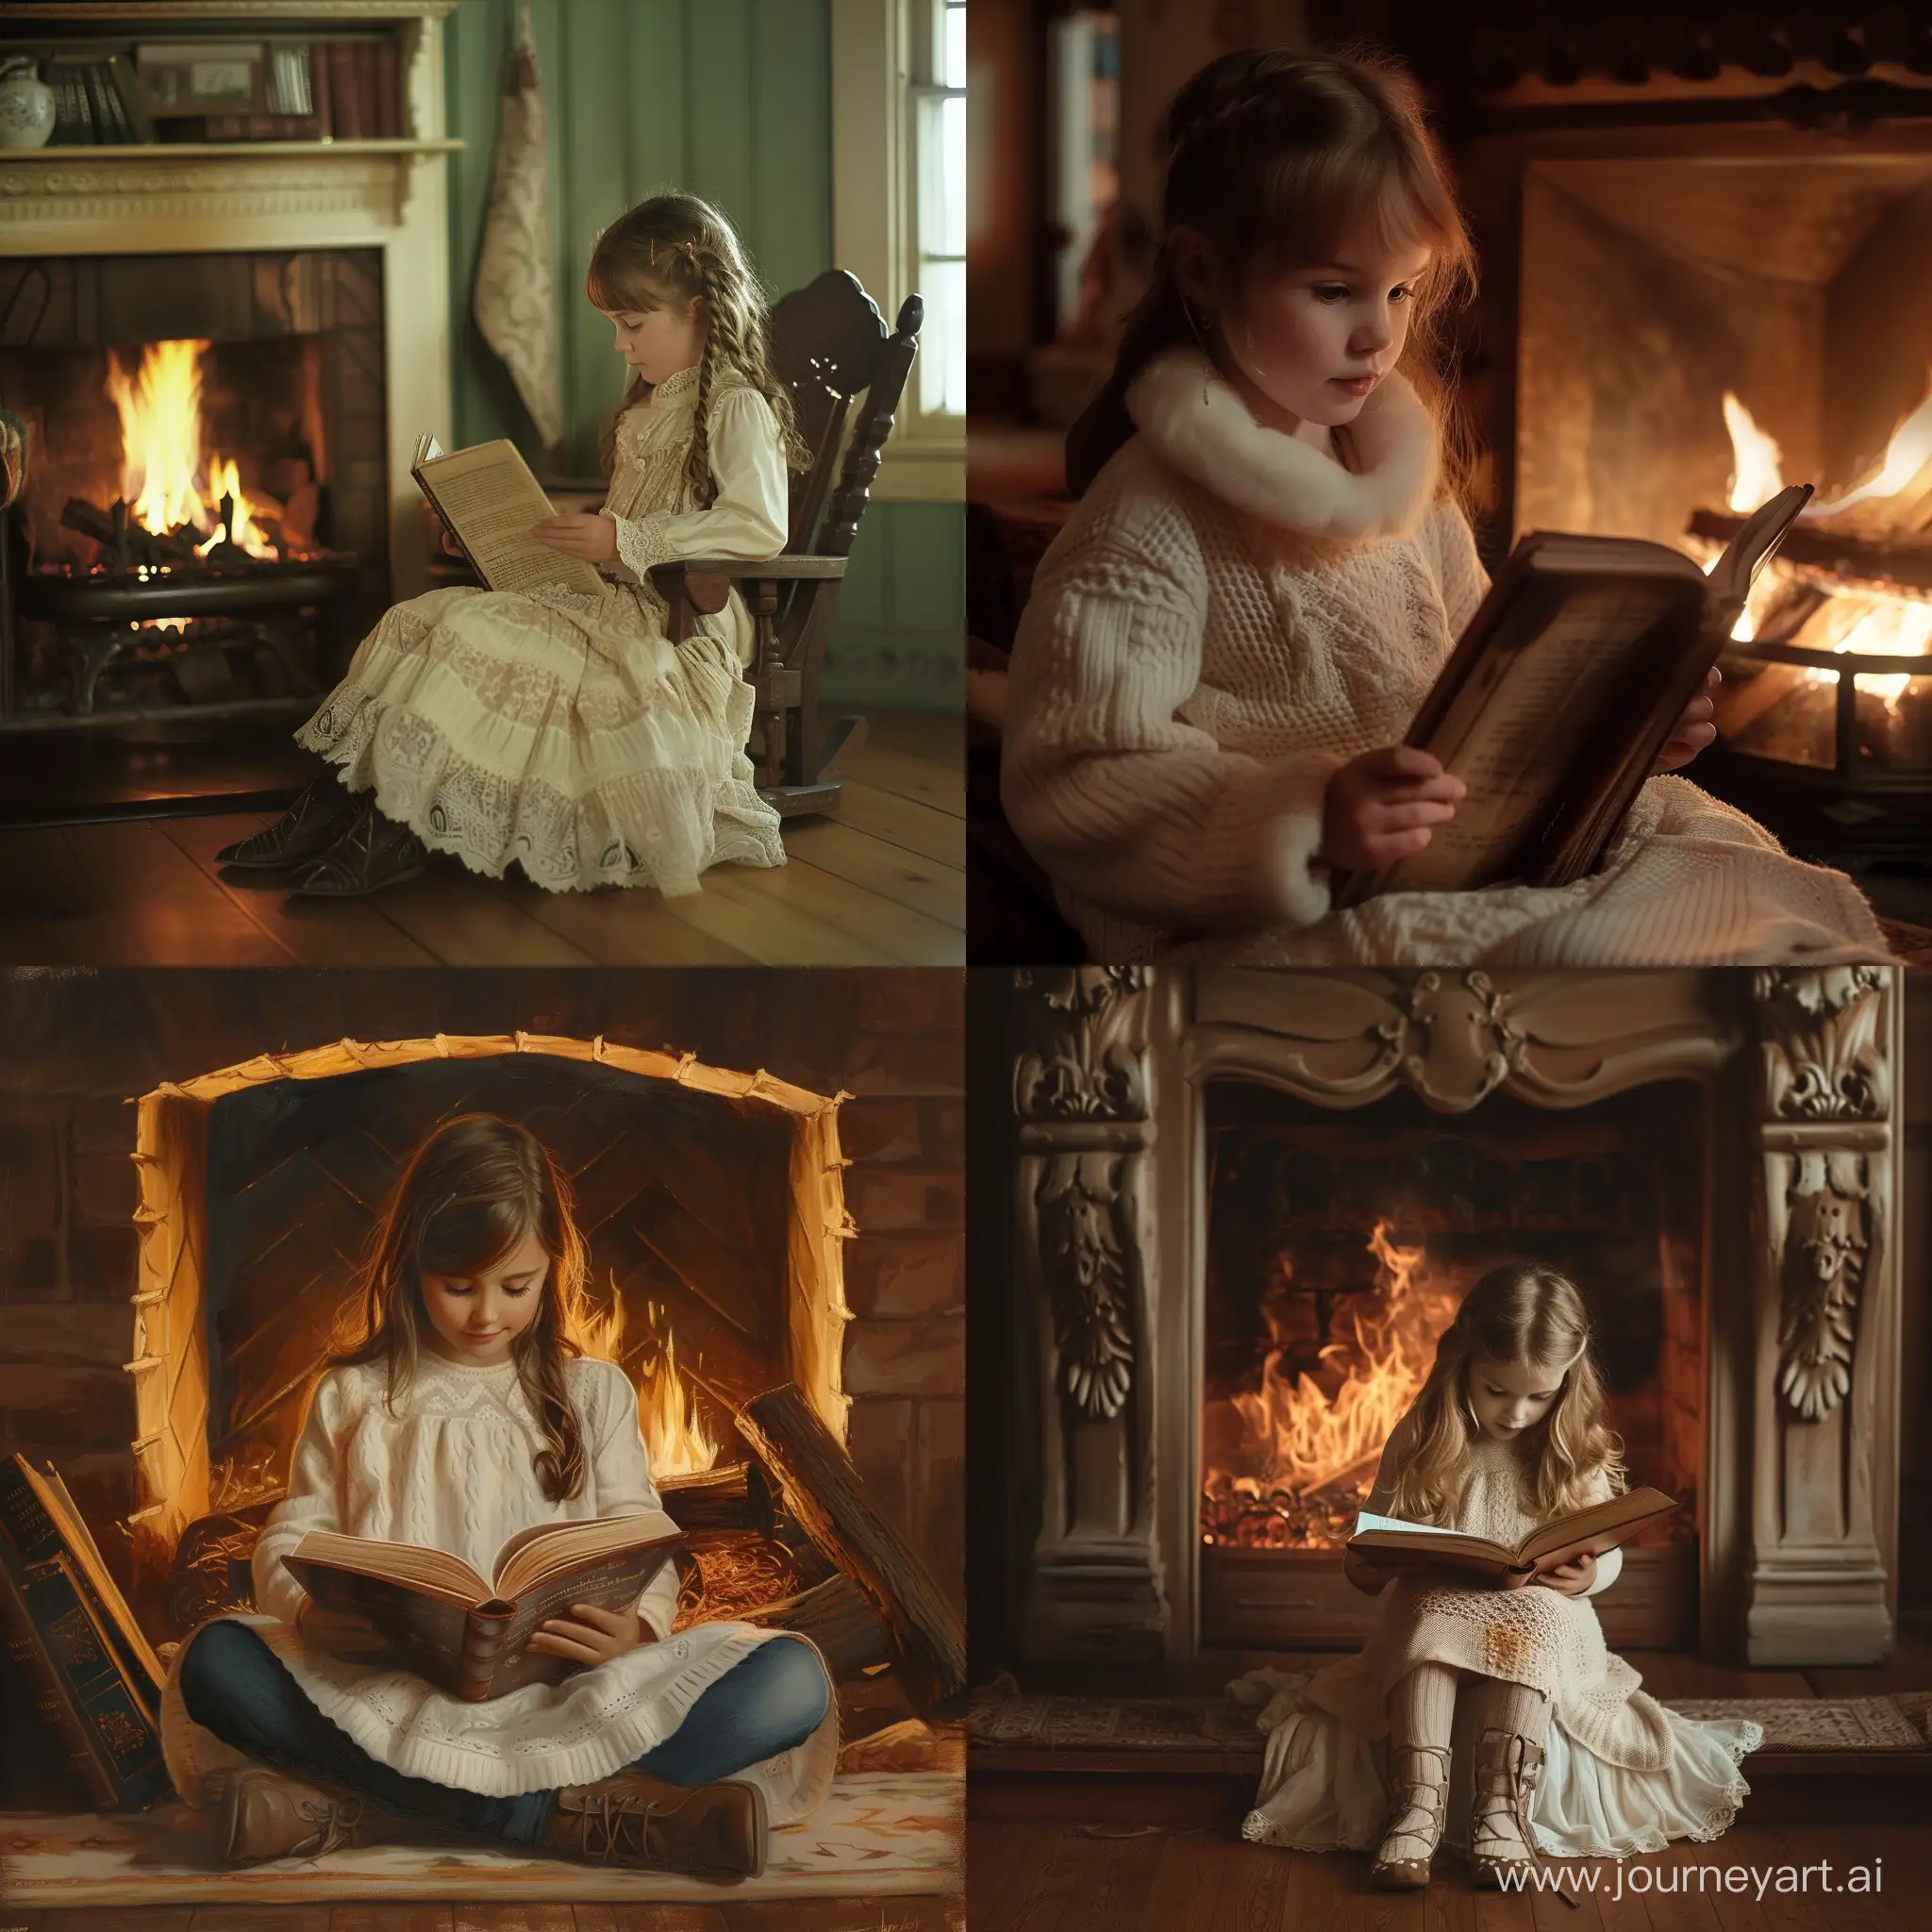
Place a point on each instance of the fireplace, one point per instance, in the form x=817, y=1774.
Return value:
x=306, y=286
x=1699, y=281
x=1337, y=1252
x=711, y=1204
x=205, y=519
x=1238, y=1191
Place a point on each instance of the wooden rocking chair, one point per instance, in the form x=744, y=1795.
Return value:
x=831, y=348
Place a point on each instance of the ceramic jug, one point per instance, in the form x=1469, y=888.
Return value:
x=26, y=104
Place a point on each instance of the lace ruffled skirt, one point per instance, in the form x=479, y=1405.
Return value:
x=558, y=730
x=1323, y=1786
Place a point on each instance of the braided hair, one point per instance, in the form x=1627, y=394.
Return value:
x=672, y=248
x=1270, y=155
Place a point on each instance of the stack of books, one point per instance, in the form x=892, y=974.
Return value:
x=347, y=87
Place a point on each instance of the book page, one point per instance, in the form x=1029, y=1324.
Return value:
x=408, y=1564
x=1523, y=725
x=534, y=1556
x=488, y=497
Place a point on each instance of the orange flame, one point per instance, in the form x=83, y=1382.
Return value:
x=677, y=1435
x=1874, y=624
x=161, y=456
x=1307, y=1438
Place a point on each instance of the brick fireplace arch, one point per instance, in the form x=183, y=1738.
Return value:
x=786, y=1323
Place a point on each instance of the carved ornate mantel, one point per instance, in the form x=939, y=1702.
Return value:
x=1798, y=1519
x=178, y=200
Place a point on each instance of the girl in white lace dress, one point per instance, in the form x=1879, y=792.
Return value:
x=1493, y=1716
x=461, y=1417
x=557, y=728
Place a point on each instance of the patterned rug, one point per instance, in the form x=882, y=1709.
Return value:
x=1009, y=1720
x=877, y=1835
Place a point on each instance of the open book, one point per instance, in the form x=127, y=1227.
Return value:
x=1560, y=694
x=488, y=498
x=1401, y=1546
x=466, y=1634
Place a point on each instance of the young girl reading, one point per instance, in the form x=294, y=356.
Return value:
x=1495, y=1717
x=463, y=1416
x=1225, y=647
x=550, y=726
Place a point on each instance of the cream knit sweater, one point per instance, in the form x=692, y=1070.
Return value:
x=1231, y=615
x=451, y=1469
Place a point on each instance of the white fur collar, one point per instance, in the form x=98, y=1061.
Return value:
x=1196, y=424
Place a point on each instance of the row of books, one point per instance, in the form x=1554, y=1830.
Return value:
x=75, y=1644
x=189, y=90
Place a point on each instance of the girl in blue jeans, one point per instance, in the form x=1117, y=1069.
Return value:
x=462, y=1416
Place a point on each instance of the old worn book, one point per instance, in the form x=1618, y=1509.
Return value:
x=1560, y=694
x=489, y=500
x=468, y=1634
x=72, y=1654
x=1421, y=1545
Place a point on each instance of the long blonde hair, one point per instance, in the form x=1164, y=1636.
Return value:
x=1518, y=1313
x=669, y=249
x=469, y=1194
x=1269, y=156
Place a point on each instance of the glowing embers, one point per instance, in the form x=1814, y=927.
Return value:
x=1310, y=1439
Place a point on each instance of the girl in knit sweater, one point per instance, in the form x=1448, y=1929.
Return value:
x=464, y=1416
x=1225, y=648
x=1496, y=1715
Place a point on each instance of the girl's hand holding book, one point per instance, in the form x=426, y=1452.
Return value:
x=1572, y=1578
x=595, y=1638
x=581, y=534
x=1384, y=806
x=1695, y=731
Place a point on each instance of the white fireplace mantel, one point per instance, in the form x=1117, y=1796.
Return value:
x=390, y=195
x=1800, y=1073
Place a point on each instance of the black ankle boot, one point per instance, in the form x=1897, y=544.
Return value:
x=316, y=820
x=372, y=852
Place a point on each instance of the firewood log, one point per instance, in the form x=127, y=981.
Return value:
x=835, y=1616
x=818, y=1484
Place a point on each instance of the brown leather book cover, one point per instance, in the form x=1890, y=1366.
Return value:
x=1560, y=694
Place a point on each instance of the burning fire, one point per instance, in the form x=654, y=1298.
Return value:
x=162, y=473
x=1873, y=623
x=676, y=1433
x=1306, y=1437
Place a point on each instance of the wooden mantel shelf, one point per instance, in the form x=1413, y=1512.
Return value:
x=109, y=150
x=234, y=11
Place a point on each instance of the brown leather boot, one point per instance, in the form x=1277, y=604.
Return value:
x=261, y=1812
x=630, y=1817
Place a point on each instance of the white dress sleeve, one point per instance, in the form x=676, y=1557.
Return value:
x=1610, y=1566
x=750, y=515
x=622, y=1467
x=311, y=1504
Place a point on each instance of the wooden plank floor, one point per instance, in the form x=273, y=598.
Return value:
x=1048, y=1877
x=797, y=1915
x=1122, y=1853
x=882, y=883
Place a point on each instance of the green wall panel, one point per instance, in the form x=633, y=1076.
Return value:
x=731, y=99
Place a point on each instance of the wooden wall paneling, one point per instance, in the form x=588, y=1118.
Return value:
x=589, y=191
x=790, y=118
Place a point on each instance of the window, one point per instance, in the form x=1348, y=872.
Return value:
x=939, y=163
x=899, y=161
